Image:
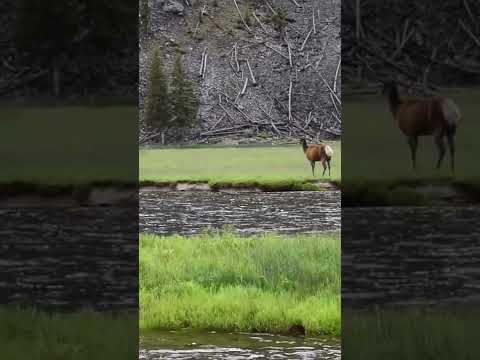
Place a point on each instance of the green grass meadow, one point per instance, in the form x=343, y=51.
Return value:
x=234, y=164
x=369, y=128
x=379, y=170
x=33, y=335
x=411, y=334
x=223, y=282
x=68, y=145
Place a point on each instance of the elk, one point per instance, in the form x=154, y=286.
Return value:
x=313, y=153
x=435, y=116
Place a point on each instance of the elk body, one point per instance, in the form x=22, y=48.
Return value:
x=437, y=117
x=315, y=153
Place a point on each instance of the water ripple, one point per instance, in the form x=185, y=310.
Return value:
x=188, y=213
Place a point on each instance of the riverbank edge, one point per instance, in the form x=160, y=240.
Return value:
x=24, y=194
x=410, y=192
x=241, y=186
x=109, y=193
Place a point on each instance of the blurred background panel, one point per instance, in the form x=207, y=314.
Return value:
x=68, y=185
x=410, y=86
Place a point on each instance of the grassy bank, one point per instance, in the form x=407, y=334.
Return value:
x=378, y=156
x=224, y=282
x=29, y=334
x=279, y=167
x=411, y=334
x=58, y=146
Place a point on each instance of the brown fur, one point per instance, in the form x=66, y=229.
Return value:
x=315, y=153
x=425, y=117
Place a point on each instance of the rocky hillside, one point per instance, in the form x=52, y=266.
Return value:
x=90, y=72
x=255, y=79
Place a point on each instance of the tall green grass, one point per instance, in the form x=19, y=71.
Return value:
x=410, y=334
x=234, y=164
x=68, y=145
x=226, y=282
x=34, y=335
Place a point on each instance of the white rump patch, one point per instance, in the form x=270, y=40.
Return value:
x=451, y=112
x=328, y=151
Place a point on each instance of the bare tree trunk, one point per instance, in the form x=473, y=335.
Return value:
x=162, y=135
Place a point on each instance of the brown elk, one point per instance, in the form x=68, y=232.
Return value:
x=435, y=116
x=315, y=153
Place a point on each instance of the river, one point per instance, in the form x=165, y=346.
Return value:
x=211, y=345
x=190, y=212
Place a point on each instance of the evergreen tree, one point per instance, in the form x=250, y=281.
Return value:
x=157, y=104
x=183, y=99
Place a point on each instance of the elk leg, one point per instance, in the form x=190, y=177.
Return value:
x=441, y=149
x=328, y=162
x=313, y=167
x=451, y=146
x=324, y=167
x=413, y=142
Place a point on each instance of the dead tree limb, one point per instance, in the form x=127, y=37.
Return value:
x=205, y=65
x=244, y=86
x=469, y=32
x=254, y=82
x=306, y=39
x=200, y=73
x=336, y=75
x=236, y=56
x=241, y=16
x=296, y=3
x=261, y=24
x=329, y=88
x=277, y=51
x=289, y=50
x=290, y=102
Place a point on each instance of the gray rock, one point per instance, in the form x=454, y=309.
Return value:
x=173, y=7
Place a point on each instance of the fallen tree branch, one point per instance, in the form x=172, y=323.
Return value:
x=290, y=102
x=306, y=39
x=261, y=24
x=241, y=16
x=254, y=82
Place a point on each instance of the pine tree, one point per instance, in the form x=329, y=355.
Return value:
x=157, y=107
x=183, y=99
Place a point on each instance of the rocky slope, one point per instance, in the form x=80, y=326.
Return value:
x=281, y=76
x=91, y=73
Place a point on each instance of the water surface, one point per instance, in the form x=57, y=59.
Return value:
x=189, y=212
x=410, y=255
x=212, y=345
